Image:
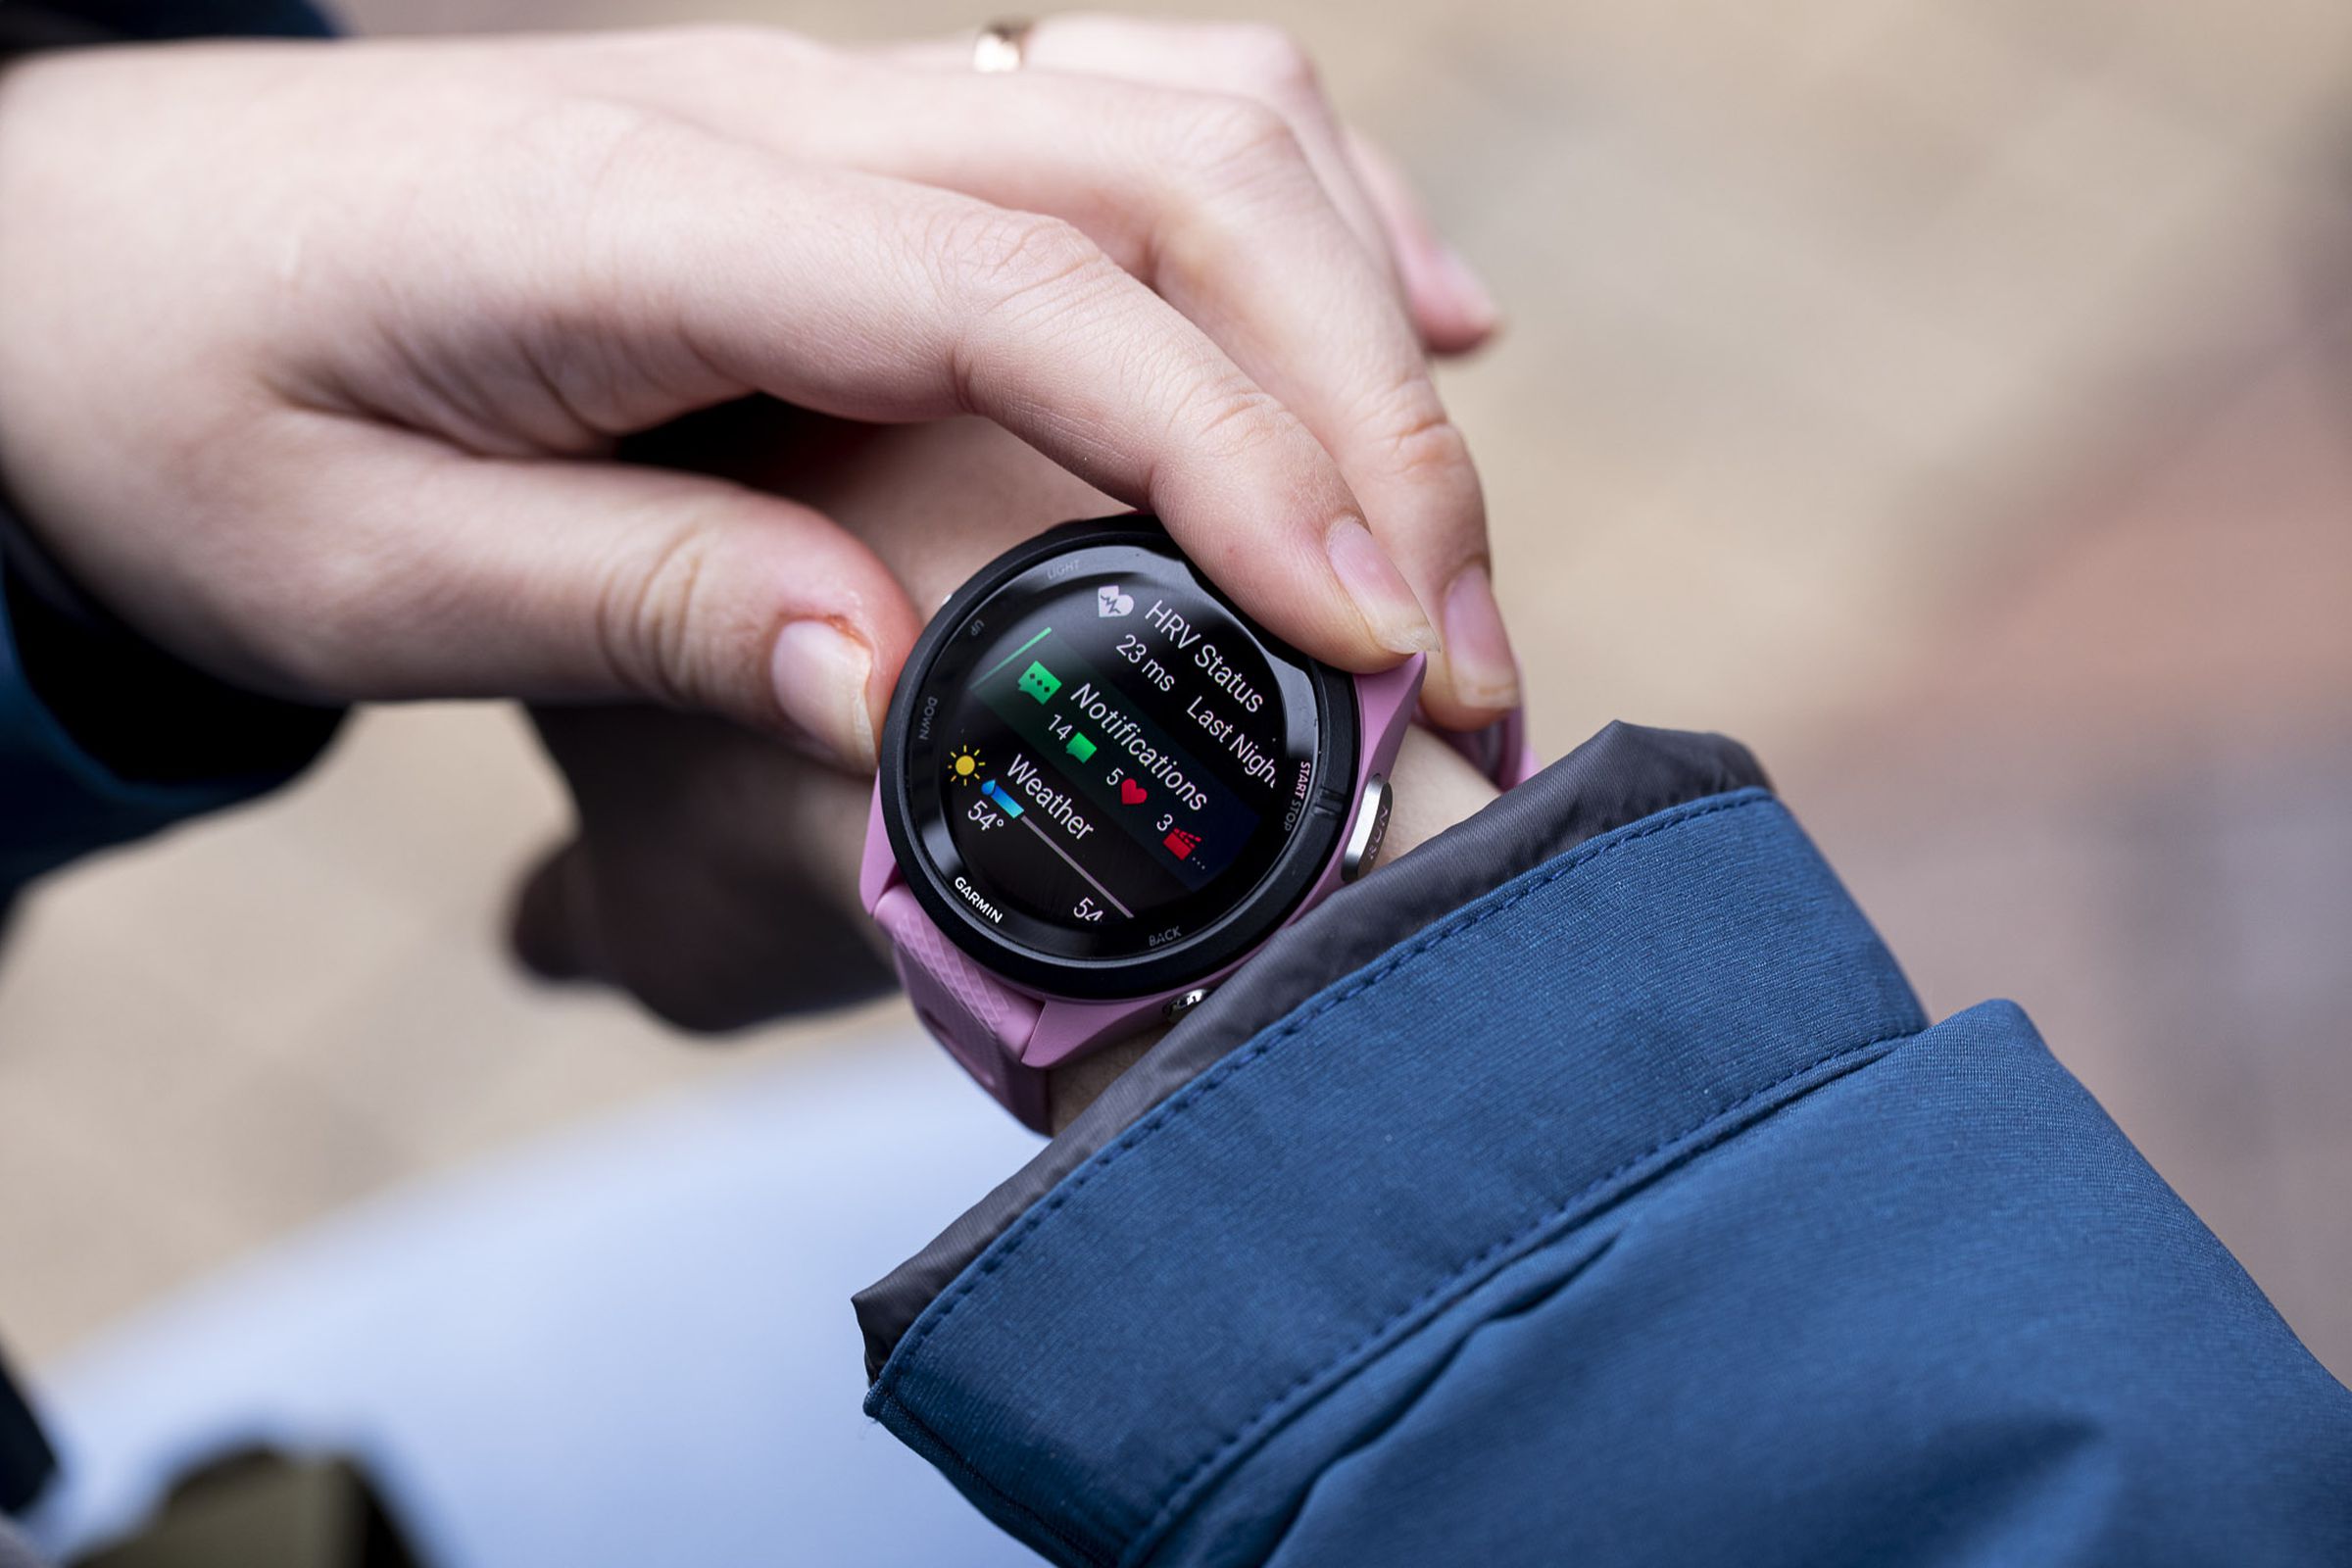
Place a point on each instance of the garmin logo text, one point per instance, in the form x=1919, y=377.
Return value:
x=972, y=896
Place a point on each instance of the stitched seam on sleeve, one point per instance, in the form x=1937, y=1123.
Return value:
x=1240, y=1061
x=1465, y=1276
x=1452, y=1284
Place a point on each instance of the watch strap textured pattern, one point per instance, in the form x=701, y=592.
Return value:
x=983, y=1022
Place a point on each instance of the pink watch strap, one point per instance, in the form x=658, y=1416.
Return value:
x=990, y=1027
x=984, y=1024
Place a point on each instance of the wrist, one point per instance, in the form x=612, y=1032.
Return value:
x=1434, y=787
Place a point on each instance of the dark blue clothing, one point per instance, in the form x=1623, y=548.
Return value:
x=60, y=799
x=45, y=23
x=1633, y=1212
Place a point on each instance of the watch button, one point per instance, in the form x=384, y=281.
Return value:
x=1178, y=1006
x=1371, y=828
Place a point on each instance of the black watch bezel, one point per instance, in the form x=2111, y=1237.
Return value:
x=1257, y=915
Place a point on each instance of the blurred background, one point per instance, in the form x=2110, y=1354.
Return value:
x=1952, y=400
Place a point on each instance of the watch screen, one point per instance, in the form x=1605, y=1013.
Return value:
x=1103, y=759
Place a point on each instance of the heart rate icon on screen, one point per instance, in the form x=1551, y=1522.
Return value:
x=1110, y=603
x=1131, y=791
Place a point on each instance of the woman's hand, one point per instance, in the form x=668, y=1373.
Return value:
x=714, y=873
x=315, y=356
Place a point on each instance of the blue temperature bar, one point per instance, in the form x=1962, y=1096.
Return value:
x=1002, y=797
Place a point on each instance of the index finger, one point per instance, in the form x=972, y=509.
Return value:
x=875, y=299
x=1213, y=203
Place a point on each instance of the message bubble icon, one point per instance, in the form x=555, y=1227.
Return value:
x=1039, y=682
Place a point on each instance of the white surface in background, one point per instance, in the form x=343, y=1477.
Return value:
x=630, y=1344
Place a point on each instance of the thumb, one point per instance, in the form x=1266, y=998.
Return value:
x=582, y=581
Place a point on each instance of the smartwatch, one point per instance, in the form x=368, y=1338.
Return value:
x=1102, y=787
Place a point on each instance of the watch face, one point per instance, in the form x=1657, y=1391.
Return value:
x=1101, y=777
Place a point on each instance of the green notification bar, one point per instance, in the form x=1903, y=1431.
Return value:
x=1039, y=682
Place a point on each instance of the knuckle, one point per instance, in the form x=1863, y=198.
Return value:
x=648, y=612
x=1003, y=272
x=1231, y=139
x=1420, y=438
x=1431, y=446
x=1240, y=419
x=1231, y=420
x=995, y=255
x=1224, y=166
x=1269, y=60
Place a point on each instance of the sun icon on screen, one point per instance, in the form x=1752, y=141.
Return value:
x=963, y=763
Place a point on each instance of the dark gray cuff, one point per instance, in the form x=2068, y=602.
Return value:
x=1622, y=774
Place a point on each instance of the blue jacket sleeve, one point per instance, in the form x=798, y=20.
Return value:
x=1631, y=1212
x=61, y=797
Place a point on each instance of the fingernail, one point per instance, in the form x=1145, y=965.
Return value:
x=1478, y=650
x=1479, y=310
x=1381, y=597
x=821, y=674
